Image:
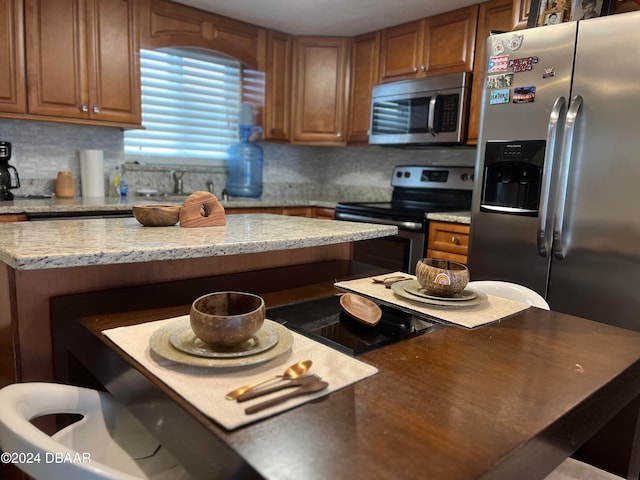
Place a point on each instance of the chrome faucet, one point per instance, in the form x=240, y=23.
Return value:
x=209, y=185
x=177, y=182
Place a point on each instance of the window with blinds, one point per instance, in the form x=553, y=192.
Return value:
x=190, y=105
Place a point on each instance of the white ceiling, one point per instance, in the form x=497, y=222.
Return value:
x=327, y=17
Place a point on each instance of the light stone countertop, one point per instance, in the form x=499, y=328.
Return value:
x=455, y=217
x=83, y=242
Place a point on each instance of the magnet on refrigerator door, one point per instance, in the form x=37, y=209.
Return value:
x=499, y=97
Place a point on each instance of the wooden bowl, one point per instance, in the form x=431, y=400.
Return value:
x=440, y=277
x=227, y=319
x=361, y=309
x=157, y=215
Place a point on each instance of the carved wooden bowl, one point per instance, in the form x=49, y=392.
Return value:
x=442, y=278
x=226, y=319
x=157, y=215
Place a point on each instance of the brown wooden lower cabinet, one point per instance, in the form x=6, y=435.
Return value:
x=309, y=212
x=20, y=217
x=449, y=241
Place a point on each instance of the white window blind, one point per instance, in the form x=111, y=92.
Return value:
x=190, y=105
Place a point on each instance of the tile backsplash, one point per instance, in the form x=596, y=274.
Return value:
x=41, y=149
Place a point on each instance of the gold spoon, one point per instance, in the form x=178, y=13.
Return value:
x=294, y=371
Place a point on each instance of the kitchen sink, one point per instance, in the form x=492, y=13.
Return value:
x=32, y=197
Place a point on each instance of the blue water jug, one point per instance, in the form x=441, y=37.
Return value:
x=245, y=166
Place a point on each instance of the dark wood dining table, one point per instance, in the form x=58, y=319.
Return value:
x=511, y=399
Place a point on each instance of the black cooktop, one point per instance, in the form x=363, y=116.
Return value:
x=325, y=321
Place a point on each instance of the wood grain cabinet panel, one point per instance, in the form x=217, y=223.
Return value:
x=493, y=15
x=437, y=45
x=82, y=59
x=449, y=241
x=365, y=53
x=278, y=87
x=13, y=97
x=320, y=90
x=401, y=51
x=169, y=24
x=450, y=41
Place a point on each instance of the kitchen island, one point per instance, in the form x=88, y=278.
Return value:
x=41, y=260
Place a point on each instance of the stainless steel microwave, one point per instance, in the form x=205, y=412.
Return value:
x=421, y=112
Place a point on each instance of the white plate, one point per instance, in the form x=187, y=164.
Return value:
x=183, y=338
x=398, y=289
x=160, y=344
x=415, y=288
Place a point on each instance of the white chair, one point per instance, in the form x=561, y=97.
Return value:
x=108, y=442
x=511, y=291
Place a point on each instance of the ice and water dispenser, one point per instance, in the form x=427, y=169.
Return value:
x=513, y=176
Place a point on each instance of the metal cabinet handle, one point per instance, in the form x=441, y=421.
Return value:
x=545, y=228
x=96, y=109
x=455, y=240
x=84, y=108
x=423, y=68
x=415, y=69
x=339, y=134
x=559, y=245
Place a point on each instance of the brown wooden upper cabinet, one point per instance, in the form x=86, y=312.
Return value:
x=168, y=24
x=13, y=97
x=320, y=90
x=277, y=118
x=365, y=53
x=82, y=59
x=431, y=46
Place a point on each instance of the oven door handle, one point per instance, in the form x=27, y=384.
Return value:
x=416, y=226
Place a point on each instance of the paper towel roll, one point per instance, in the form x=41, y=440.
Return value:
x=92, y=173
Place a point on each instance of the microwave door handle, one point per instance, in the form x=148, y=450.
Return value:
x=432, y=115
x=545, y=231
x=559, y=241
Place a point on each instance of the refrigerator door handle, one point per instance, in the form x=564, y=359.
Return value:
x=559, y=240
x=545, y=231
x=432, y=115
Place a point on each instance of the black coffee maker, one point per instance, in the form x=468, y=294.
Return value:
x=6, y=179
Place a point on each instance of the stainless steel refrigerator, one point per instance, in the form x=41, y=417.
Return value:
x=556, y=204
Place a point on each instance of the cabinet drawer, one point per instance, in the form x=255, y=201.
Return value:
x=449, y=237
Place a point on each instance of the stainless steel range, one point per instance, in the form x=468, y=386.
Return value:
x=417, y=191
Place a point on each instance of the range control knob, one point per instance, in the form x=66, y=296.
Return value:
x=464, y=177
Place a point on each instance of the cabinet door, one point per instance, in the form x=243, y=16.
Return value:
x=493, y=15
x=56, y=58
x=365, y=51
x=278, y=90
x=450, y=41
x=12, y=76
x=320, y=66
x=113, y=69
x=401, y=51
